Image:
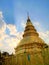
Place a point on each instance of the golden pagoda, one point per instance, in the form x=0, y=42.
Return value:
x=31, y=50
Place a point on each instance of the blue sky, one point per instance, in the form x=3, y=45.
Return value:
x=14, y=14
x=14, y=10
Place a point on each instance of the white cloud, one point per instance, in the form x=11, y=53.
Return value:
x=8, y=41
x=47, y=32
x=45, y=36
x=12, y=29
x=23, y=24
x=38, y=26
x=1, y=44
x=37, y=23
x=14, y=32
x=2, y=24
x=1, y=16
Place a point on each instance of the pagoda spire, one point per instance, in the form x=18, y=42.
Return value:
x=29, y=29
x=28, y=18
x=28, y=15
